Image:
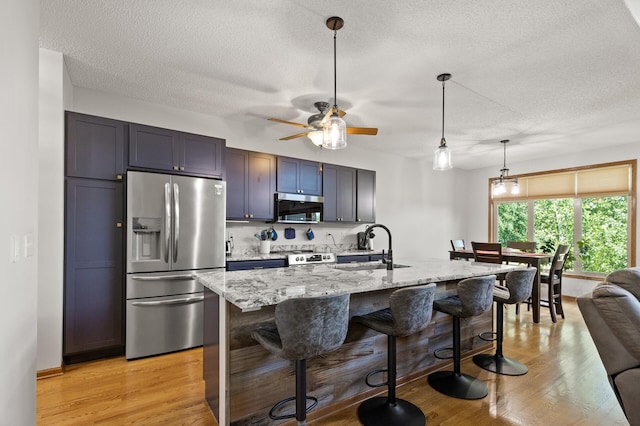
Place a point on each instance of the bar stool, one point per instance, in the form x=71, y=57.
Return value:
x=409, y=311
x=518, y=288
x=304, y=327
x=475, y=296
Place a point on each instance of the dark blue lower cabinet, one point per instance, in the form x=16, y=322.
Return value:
x=245, y=265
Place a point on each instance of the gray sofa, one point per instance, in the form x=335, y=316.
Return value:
x=612, y=314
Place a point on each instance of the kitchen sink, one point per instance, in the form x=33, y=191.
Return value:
x=367, y=266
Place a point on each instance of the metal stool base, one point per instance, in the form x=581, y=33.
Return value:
x=460, y=385
x=379, y=412
x=500, y=364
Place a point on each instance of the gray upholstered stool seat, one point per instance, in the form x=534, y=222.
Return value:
x=518, y=288
x=304, y=327
x=475, y=296
x=409, y=311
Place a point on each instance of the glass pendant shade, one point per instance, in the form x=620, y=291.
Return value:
x=515, y=189
x=316, y=137
x=442, y=157
x=499, y=188
x=334, y=133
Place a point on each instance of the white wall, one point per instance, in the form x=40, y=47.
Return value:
x=19, y=29
x=477, y=181
x=51, y=209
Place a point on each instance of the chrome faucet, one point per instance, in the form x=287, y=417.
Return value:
x=368, y=232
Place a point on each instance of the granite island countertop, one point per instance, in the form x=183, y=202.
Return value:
x=254, y=289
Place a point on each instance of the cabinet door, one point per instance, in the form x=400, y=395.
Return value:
x=339, y=186
x=287, y=175
x=310, y=177
x=201, y=155
x=93, y=291
x=366, y=196
x=153, y=148
x=237, y=173
x=262, y=185
x=330, y=192
x=347, y=194
x=95, y=147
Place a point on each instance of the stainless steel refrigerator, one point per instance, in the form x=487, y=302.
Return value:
x=175, y=227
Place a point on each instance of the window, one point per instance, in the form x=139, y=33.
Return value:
x=589, y=208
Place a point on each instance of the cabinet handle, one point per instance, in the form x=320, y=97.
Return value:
x=181, y=168
x=302, y=191
x=118, y=177
x=118, y=224
x=175, y=168
x=251, y=215
x=246, y=215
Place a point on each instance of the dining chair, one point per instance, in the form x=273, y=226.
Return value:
x=458, y=245
x=553, y=280
x=487, y=252
x=526, y=246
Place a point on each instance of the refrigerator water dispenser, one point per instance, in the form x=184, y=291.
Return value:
x=146, y=238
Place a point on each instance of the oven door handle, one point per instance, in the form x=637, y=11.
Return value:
x=166, y=278
x=170, y=302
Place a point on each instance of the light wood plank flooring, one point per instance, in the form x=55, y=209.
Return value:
x=566, y=385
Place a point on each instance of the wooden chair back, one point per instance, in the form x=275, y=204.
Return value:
x=487, y=252
x=526, y=246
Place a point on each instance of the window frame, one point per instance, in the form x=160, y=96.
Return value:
x=577, y=204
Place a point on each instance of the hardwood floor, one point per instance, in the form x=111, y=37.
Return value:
x=566, y=384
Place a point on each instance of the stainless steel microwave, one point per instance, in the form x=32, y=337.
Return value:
x=298, y=208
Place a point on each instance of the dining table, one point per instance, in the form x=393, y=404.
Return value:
x=512, y=255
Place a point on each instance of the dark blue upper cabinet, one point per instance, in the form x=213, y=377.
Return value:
x=366, y=196
x=178, y=152
x=339, y=186
x=95, y=147
x=251, y=183
x=299, y=176
x=202, y=155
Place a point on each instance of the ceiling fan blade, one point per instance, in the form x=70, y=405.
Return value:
x=299, y=135
x=289, y=122
x=362, y=131
x=341, y=113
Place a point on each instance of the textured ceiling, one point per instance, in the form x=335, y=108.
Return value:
x=549, y=75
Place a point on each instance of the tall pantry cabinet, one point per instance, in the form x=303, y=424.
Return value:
x=94, y=237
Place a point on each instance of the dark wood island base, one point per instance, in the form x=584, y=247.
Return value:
x=243, y=380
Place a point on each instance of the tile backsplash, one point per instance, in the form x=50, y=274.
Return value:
x=327, y=237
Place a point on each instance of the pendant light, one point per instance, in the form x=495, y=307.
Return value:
x=442, y=155
x=499, y=185
x=334, y=129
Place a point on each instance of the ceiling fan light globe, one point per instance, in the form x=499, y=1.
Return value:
x=316, y=137
x=334, y=133
x=442, y=158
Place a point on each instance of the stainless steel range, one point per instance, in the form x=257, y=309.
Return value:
x=297, y=259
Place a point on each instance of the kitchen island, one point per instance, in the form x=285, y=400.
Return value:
x=243, y=380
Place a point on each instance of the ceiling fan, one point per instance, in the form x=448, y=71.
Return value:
x=314, y=125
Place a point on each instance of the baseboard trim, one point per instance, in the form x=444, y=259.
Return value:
x=50, y=372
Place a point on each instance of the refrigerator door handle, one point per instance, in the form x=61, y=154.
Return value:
x=167, y=221
x=176, y=221
x=170, y=302
x=166, y=277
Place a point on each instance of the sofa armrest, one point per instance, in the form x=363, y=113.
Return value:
x=615, y=357
x=621, y=311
